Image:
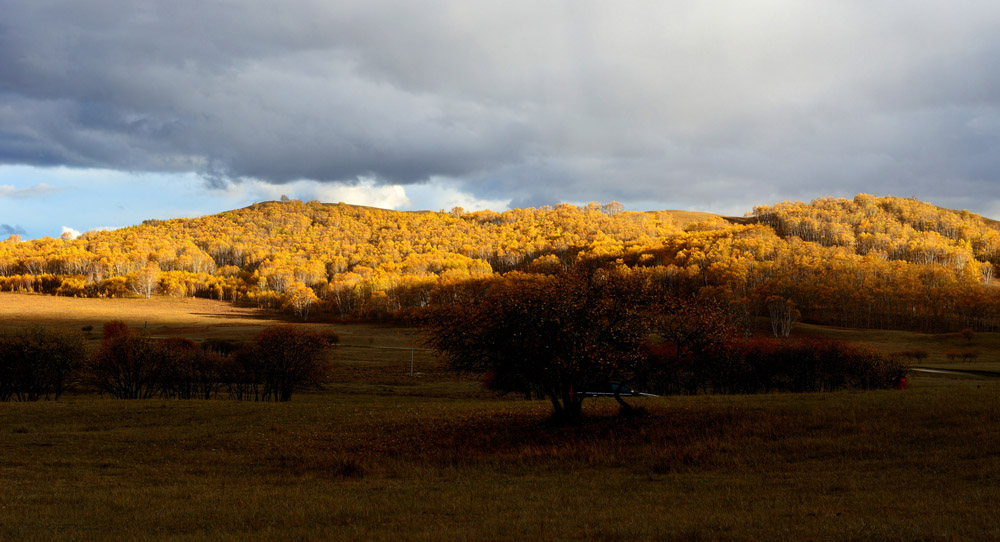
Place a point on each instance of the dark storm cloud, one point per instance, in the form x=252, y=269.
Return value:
x=257, y=90
x=718, y=103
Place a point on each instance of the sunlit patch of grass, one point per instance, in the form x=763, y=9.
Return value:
x=160, y=316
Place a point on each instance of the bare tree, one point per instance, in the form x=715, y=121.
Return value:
x=969, y=355
x=612, y=208
x=145, y=281
x=783, y=315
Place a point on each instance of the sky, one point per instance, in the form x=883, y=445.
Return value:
x=116, y=111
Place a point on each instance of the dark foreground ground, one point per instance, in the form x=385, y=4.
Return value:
x=436, y=460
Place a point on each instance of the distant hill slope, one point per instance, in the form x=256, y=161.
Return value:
x=899, y=228
x=852, y=262
x=268, y=246
x=684, y=219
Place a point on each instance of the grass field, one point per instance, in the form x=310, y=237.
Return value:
x=383, y=455
x=937, y=346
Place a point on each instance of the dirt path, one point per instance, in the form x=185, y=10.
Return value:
x=960, y=372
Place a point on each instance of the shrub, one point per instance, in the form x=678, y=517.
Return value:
x=695, y=336
x=765, y=365
x=276, y=363
x=279, y=361
x=39, y=363
x=222, y=347
x=189, y=372
x=127, y=365
x=917, y=355
x=132, y=366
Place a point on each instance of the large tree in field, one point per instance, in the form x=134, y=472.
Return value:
x=545, y=336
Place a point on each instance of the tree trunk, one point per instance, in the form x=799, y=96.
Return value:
x=566, y=407
x=626, y=408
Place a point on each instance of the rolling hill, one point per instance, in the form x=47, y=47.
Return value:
x=866, y=262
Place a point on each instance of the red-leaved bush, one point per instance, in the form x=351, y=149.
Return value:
x=769, y=365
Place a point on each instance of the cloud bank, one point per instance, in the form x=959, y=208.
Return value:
x=717, y=104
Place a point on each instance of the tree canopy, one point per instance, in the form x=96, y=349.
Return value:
x=547, y=336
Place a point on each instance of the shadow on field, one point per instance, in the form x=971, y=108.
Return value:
x=662, y=441
x=823, y=432
x=256, y=314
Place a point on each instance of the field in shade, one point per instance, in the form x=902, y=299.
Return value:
x=385, y=454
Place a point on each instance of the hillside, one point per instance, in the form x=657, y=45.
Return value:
x=866, y=262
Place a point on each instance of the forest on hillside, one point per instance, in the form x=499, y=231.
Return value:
x=870, y=262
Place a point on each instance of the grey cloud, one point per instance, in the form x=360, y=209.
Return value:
x=677, y=103
x=7, y=229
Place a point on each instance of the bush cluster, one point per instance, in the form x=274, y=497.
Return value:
x=278, y=361
x=129, y=365
x=38, y=363
x=272, y=366
x=768, y=365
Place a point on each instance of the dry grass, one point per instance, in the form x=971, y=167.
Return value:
x=381, y=455
x=193, y=318
x=685, y=218
x=937, y=346
x=879, y=466
x=162, y=316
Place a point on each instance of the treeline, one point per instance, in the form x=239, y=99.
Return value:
x=756, y=273
x=868, y=262
x=42, y=364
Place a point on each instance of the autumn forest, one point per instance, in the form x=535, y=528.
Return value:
x=870, y=262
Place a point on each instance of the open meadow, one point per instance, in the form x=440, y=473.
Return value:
x=383, y=454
